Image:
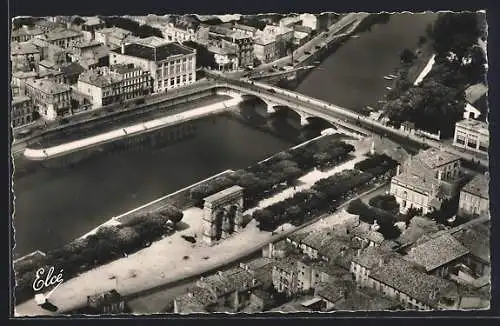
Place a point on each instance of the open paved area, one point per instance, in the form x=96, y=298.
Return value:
x=172, y=258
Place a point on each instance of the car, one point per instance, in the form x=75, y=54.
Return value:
x=270, y=90
x=282, y=68
x=307, y=52
x=275, y=66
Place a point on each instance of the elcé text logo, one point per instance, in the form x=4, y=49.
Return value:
x=44, y=280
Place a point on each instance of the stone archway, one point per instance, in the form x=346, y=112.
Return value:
x=222, y=214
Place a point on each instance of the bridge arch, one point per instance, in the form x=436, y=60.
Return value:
x=320, y=122
x=292, y=113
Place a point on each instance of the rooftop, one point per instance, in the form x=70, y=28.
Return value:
x=73, y=68
x=99, y=78
x=416, y=181
x=334, y=291
x=116, y=31
x=365, y=300
x=302, y=29
x=124, y=68
x=101, y=299
x=434, y=157
x=370, y=257
x=364, y=231
x=436, y=252
x=262, y=40
x=475, y=92
x=405, y=277
x=90, y=21
x=48, y=86
x=24, y=74
x=477, y=240
x=478, y=125
x=23, y=48
x=478, y=186
x=258, y=263
x=222, y=283
x=19, y=99
x=155, y=53
x=62, y=33
x=298, y=236
x=222, y=194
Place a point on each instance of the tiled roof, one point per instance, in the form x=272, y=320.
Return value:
x=20, y=99
x=365, y=300
x=475, y=92
x=93, y=21
x=478, y=186
x=332, y=292
x=303, y=29
x=116, y=32
x=437, y=252
x=158, y=53
x=258, y=263
x=73, y=68
x=476, y=240
x=405, y=277
x=48, y=86
x=101, y=299
x=99, y=78
x=62, y=33
x=334, y=247
x=298, y=236
x=364, y=231
x=434, y=157
x=235, y=279
x=416, y=181
x=23, y=48
x=370, y=257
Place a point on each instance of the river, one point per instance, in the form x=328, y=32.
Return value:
x=53, y=206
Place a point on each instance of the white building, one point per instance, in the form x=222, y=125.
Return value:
x=473, y=135
x=170, y=65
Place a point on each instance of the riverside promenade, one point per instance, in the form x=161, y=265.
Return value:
x=129, y=131
x=173, y=259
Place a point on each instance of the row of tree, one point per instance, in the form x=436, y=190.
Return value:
x=137, y=29
x=377, y=165
x=324, y=196
x=283, y=169
x=105, y=245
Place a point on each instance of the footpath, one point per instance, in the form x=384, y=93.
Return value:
x=172, y=258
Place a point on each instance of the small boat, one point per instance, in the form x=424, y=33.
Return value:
x=370, y=108
x=388, y=88
x=354, y=36
x=388, y=78
x=392, y=76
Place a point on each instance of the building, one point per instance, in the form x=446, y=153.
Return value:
x=116, y=84
x=91, y=25
x=228, y=291
x=261, y=269
x=225, y=56
x=284, y=275
x=392, y=276
x=243, y=42
x=474, y=197
x=19, y=79
x=265, y=49
x=301, y=34
x=25, y=33
x=24, y=56
x=180, y=29
x=170, y=65
x=425, y=180
x=473, y=135
x=21, y=111
x=63, y=37
x=110, y=302
x=310, y=21
x=113, y=37
x=366, y=235
x=71, y=72
x=50, y=99
x=438, y=256
x=477, y=102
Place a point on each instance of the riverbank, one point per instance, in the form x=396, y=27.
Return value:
x=142, y=270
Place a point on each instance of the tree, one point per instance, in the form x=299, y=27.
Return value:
x=172, y=213
x=455, y=33
x=407, y=56
x=77, y=21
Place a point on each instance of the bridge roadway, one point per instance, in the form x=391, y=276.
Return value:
x=306, y=106
x=339, y=116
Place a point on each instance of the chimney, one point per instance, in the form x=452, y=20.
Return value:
x=123, y=48
x=254, y=282
x=219, y=273
x=190, y=294
x=358, y=253
x=380, y=262
x=440, y=175
x=398, y=169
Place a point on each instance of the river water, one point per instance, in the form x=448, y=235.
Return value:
x=54, y=206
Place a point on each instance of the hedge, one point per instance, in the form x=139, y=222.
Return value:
x=105, y=245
